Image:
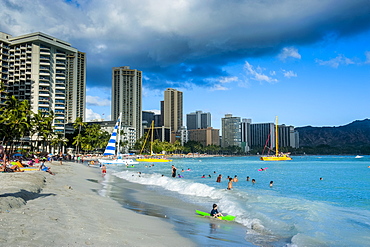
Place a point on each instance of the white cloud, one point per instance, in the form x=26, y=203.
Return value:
x=289, y=52
x=91, y=115
x=289, y=74
x=155, y=111
x=96, y=101
x=257, y=74
x=335, y=62
x=228, y=79
x=218, y=87
x=367, y=54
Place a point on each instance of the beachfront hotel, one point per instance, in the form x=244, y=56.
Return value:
x=46, y=71
x=230, y=131
x=198, y=120
x=172, y=109
x=127, y=97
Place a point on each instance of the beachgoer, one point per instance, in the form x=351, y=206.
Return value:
x=214, y=212
x=209, y=176
x=253, y=181
x=103, y=169
x=179, y=175
x=204, y=176
x=271, y=183
x=235, y=179
x=44, y=168
x=182, y=170
x=174, y=171
x=218, y=180
x=247, y=178
x=230, y=184
x=321, y=178
x=262, y=169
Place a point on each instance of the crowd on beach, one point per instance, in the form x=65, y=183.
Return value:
x=21, y=162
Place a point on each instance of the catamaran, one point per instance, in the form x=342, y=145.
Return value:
x=278, y=156
x=152, y=157
x=113, y=148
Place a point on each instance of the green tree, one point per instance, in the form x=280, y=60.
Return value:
x=79, y=124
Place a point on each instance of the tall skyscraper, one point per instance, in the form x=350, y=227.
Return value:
x=127, y=97
x=47, y=72
x=231, y=132
x=172, y=106
x=245, y=126
x=198, y=120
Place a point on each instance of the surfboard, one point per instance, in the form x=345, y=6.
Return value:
x=225, y=217
x=263, y=169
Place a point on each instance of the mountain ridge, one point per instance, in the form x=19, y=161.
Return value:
x=356, y=133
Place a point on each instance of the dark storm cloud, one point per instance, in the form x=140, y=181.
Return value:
x=180, y=43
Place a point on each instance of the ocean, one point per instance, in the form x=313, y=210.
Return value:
x=300, y=209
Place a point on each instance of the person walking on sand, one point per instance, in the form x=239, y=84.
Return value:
x=218, y=180
x=174, y=171
x=103, y=169
x=230, y=184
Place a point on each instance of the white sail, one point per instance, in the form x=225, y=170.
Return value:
x=111, y=147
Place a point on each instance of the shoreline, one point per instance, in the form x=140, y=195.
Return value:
x=38, y=209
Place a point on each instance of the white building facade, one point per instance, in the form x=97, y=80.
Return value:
x=46, y=71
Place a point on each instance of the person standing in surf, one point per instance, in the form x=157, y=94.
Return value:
x=174, y=171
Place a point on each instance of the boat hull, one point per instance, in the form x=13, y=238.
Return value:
x=153, y=160
x=275, y=158
x=118, y=162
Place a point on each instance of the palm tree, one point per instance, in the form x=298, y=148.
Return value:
x=59, y=141
x=79, y=124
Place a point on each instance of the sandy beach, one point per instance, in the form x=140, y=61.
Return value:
x=38, y=209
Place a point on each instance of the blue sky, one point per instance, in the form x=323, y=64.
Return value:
x=307, y=61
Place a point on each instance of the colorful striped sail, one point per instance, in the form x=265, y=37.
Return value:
x=111, y=147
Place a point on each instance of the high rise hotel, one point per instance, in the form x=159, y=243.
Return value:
x=126, y=97
x=172, y=109
x=47, y=72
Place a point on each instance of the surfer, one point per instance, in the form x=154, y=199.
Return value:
x=214, y=211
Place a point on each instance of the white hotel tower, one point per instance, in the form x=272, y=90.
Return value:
x=127, y=98
x=47, y=72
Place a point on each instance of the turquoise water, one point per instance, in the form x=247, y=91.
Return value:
x=298, y=210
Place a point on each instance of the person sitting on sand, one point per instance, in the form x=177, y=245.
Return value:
x=44, y=168
x=4, y=168
x=214, y=212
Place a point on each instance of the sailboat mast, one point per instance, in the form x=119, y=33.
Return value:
x=276, y=137
x=152, y=138
x=119, y=134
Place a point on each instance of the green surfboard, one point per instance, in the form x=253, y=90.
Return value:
x=226, y=217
